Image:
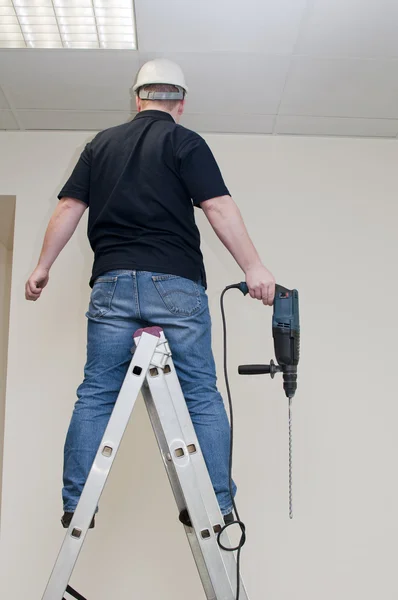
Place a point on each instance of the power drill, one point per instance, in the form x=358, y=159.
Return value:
x=286, y=334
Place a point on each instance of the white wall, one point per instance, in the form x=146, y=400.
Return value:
x=323, y=214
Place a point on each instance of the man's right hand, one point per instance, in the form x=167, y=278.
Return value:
x=261, y=284
x=36, y=282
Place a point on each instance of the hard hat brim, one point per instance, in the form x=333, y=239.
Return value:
x=137, y=86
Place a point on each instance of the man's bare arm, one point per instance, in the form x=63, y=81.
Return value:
x=62, y=224
x=226, y=220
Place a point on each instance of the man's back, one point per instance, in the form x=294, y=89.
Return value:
x=141, y=181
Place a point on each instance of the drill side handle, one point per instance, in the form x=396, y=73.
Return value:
x=254, y=369
x=270, y=369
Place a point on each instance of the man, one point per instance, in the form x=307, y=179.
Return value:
x=141, y=181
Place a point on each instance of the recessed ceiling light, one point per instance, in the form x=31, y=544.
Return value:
x=67, y=24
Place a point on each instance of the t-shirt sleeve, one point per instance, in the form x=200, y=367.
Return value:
x=78, y=184
x=200, y=171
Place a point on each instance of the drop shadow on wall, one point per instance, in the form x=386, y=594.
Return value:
x=7, y=216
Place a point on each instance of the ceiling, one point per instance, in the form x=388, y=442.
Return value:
x=311, y=67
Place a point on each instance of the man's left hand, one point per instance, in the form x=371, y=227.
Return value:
x=36, y=283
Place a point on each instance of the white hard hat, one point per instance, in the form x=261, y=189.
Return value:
x=160, y=70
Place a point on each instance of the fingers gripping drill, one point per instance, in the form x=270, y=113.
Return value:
x=286, y=334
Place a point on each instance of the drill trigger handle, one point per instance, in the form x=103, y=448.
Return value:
x=242, y=286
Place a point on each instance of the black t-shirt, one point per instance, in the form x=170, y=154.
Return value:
x=141, y=181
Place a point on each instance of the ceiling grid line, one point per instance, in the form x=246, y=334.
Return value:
x=96, y=24
x=13, y=110
x=57, y=22
x=304, y=17
x=201, y=114
x=308, y=10
x=343, y=117
x=137, y=45
x=20, y=26
x=326, y=57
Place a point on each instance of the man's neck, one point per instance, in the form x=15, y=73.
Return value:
x=154, y=106
x=158, y=106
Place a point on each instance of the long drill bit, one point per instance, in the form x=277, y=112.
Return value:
x=290, y=461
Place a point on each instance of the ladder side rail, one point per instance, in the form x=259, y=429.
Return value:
x=222, y=577
x=177, y=491
x=100, y=469
x=163, y=447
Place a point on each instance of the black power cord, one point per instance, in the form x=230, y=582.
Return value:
x=74, y=593
x=237, y=521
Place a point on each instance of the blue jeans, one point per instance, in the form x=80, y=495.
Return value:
x=122, y=302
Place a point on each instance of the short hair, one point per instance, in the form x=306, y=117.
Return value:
x=161, y=87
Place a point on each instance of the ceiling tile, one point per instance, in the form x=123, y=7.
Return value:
x=286, y=124
x=354, y=28
x=250, y=26
x=65, y=119
x=212, y=123
x=341, y=88
x=3, y=101
x=69, y=79
x=232, y=82
x=7, y=120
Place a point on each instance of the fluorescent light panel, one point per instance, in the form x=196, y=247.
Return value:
x=67, y=24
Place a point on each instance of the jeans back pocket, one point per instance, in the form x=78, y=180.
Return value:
x=101, y=296
x=181, y=296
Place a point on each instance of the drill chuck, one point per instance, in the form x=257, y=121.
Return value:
x=290, y=380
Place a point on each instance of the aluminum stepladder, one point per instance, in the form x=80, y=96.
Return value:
x=152, y=372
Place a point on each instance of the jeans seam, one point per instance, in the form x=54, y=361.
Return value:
x=136, y=297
